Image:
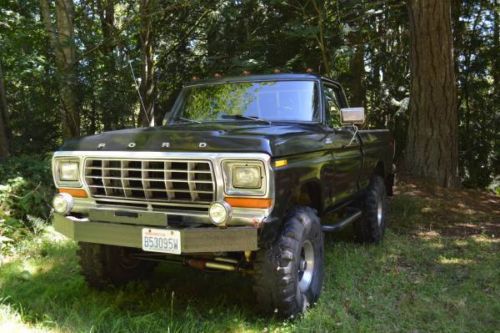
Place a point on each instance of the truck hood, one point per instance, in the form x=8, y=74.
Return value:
x=275, y=140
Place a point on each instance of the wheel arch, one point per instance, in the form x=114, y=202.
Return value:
x=379, y=169
x=310, y=194
x=386, y=174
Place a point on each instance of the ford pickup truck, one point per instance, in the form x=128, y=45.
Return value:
x=237, y=178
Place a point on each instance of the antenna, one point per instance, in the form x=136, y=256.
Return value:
x=143, y=106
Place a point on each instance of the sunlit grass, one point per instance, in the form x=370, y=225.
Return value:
x=11, y=321
x=420, y=279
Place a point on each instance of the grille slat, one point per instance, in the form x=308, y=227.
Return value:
x=154, y=179
x=154, y=170
x=149, y=189
x=160, y=181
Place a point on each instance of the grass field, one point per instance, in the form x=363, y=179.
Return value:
x=438, y=270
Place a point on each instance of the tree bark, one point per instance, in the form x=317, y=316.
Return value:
x=147, y=87
x=4, y=128
x=356, y=72
x=107, y=98
x=62, y=44
x=321, y=40
x=496, y=61
x=432, y=148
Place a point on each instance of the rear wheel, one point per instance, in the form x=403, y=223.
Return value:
x=289, y=274
x=104, y=265
x=370, y=228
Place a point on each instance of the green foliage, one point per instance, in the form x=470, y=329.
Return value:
x=477, y=44
x=25, y=190
x=208, y=103
x=30, y=85
x=364, y=44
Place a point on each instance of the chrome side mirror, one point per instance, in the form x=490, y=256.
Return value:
x=352, y=116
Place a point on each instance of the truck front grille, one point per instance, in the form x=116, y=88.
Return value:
x=189, y=181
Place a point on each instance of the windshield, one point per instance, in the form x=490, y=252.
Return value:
x=249, y=101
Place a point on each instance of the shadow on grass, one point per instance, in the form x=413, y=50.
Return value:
x=48, y=290
x=422, y=277
x=408, y=283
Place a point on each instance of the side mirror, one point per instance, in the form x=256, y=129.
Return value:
x=352, y=116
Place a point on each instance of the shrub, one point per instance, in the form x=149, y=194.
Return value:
x=26, y=188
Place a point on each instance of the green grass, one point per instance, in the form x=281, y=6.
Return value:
x=421, y=279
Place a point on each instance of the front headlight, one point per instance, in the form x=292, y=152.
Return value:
x=244, y=178
x=247, y=176
x=68, y=171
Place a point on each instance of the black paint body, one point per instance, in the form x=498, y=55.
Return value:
x=325, y=165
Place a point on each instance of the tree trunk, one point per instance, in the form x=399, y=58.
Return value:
x=321, y=40
x=4, y=134
x=107, y=98
x=356, y=72
x=147, y=87
x=432, y=149
x=496, y=61
x=62, y=44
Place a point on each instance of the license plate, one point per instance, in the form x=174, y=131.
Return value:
x=160, y=240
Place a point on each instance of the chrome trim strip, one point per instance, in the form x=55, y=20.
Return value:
x=240, y=216
x=131, y=202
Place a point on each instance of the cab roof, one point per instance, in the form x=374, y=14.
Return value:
x=264, y=77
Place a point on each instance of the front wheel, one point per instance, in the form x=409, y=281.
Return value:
x=105, y=265
x=289, y=274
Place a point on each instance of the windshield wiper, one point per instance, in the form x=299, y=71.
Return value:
x=239, y=116
x=188, y=120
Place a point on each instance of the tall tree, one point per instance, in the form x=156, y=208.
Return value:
x=4, y=136
x=106, y=11
x=355, y=37
x=432, y=149
x=63, y=46
x=147, y=87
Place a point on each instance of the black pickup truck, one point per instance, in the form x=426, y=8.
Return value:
x=237, y=178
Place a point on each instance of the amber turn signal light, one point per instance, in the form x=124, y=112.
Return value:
x=249, y=202
x=75, y=192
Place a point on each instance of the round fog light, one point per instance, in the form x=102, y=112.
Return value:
x=62, y=203
x=219, y=213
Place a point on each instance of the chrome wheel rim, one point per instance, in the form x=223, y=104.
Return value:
x=380, y=213
x=306, y=266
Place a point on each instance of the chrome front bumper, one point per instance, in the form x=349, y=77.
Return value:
x=193, y=240
x=119, y=214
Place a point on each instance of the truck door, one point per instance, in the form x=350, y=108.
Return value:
x=344, y=146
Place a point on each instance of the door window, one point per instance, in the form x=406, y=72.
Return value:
x=332, y=107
